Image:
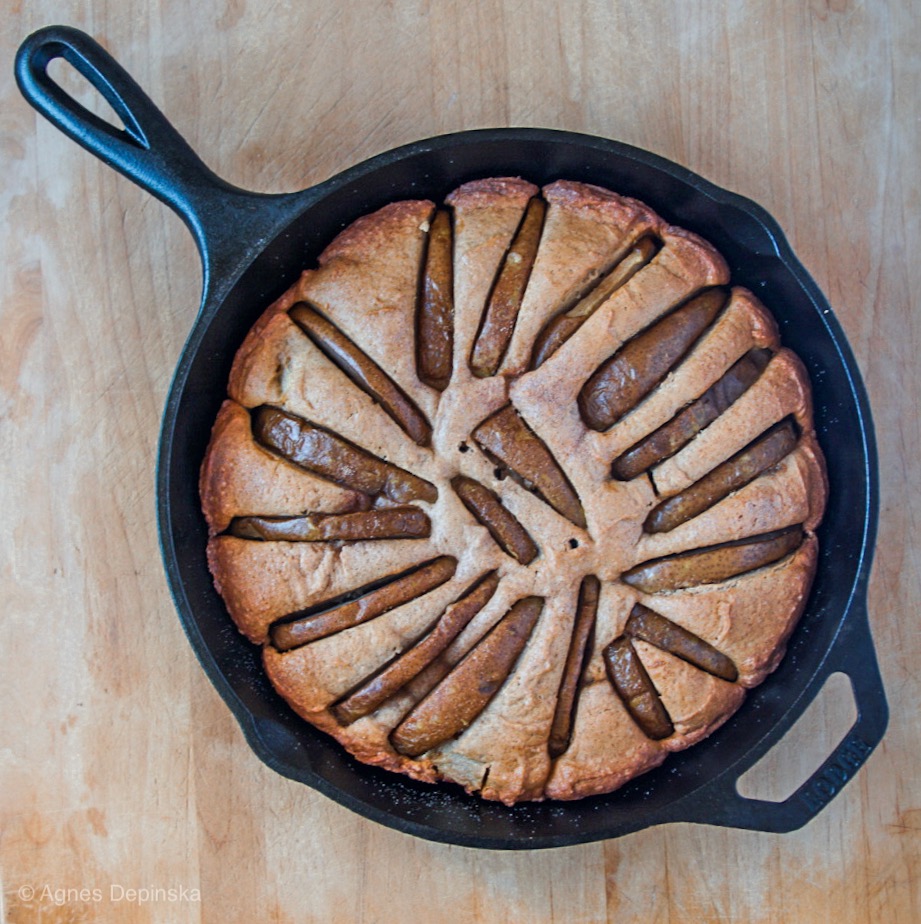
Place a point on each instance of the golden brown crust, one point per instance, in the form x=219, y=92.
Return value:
x=239, y=478
x=712, y=564
x=464, y=693
x=608, y=748
x=500, y=314
x=743, y=327
x=265, y=581
x=600, y=206
x=487, y=214
x=492, y=193
x=370, y=272
x=567, y=321
x=586, y=232
x=790, y=493
x=741, y=469
x=526, y=511
x=339, y=615
x=371, y=235
x=782, y=390
x=622, y=381
x=697, y=702
x=375, y=691
x=750, y=617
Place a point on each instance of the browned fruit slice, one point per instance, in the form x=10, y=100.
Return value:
x=579, y=643
x=713, y=564
x=622, y=381
x=505, y=436
x=629, y=678
x=559, y=329
x=388, y=523
x=377, y=689
x=327, y=454
x=435, y=311
x=363, y=371
x=361, y=604
x=651, y=627
x=683, y=427
x=485, y=505
x=502, y=308
x=734, y=473
x=461, y=696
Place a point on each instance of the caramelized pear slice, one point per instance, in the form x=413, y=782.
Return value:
x=435, y=310
x=651, y=627
x=713, y=564
x=361, y=604
x=387, y=523
x=579, y=645
x=622, y=381
x=363, y=371
x=734, y=473
x=505, y=437
x=485, y=505
x=559, y=329
x=329, y=455
x=373, y=692
x=464, y=693
x=684, y=426
x=501, y=311
x=629, y=678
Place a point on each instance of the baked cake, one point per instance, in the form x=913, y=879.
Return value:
x=516, y=491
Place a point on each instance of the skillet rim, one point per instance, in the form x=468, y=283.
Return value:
x=767, y=242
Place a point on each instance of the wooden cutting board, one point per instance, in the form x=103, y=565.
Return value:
x=127, y=791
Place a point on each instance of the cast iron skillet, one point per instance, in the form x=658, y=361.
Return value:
x=253, y=247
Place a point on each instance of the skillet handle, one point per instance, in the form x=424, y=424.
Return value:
x=147, y=150
x=854, y=655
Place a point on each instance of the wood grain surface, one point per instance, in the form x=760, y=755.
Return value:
x=120, y=767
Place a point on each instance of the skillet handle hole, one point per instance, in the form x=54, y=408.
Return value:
x=81, y=91
x=805, y=747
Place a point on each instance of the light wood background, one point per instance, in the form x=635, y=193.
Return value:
x=121, y=768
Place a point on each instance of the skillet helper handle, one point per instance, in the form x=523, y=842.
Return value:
x=853, y=654
x=147, y=149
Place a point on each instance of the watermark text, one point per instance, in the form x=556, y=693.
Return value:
x=114, y=893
